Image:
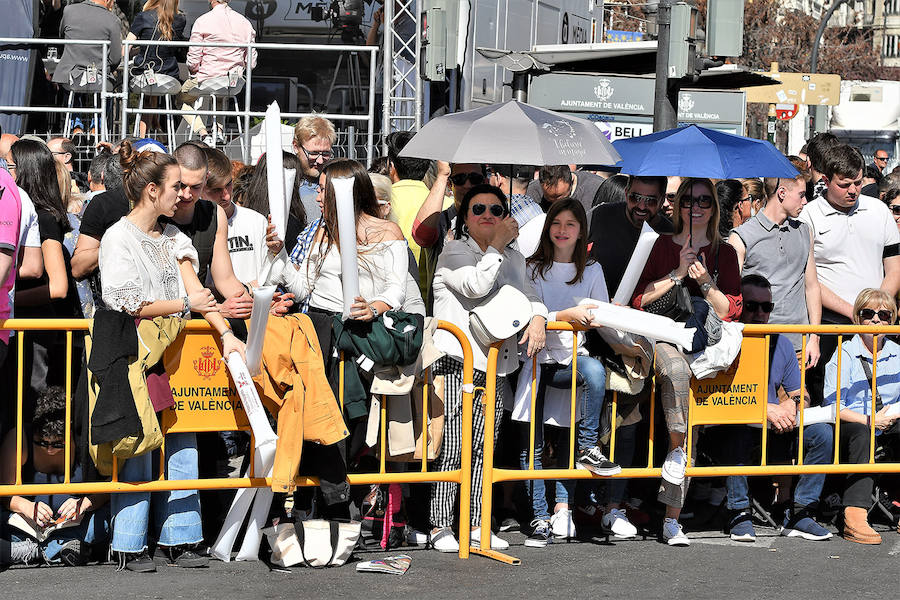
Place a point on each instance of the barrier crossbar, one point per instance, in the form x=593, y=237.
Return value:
x=199, y=327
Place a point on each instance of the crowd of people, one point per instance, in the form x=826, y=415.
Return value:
x=148, y=237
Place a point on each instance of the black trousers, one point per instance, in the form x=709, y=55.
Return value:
x=855, y=450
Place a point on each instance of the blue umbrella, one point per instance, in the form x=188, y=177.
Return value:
x=693, y=151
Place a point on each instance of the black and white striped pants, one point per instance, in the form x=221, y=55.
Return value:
x=443, y=494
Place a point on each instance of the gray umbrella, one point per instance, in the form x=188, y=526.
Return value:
x=512, y=133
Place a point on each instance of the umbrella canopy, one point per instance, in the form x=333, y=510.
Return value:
x=512, y=133
x=699, y=152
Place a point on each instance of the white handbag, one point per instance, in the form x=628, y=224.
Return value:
x=315, y=543
x=501, y=317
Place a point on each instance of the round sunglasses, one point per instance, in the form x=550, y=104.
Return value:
x=497, y=210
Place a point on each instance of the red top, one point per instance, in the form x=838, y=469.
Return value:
x=664, y=258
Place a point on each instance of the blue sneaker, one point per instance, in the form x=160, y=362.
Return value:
x=673, y=535
x=741, y=527
x=801, y=525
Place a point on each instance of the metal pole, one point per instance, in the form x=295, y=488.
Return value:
x=387, y=73
x=125, y=83
x=101, y=120
x=370, y=135
x=664, y=116
x=520, y=86
x=814, y=55
x=246, y=115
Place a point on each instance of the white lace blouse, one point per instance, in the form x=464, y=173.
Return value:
x=136, y=269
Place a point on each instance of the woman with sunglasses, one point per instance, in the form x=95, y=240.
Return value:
x=562, y=275
x=872, y=308
x=696, y=257
x=892, y=199
x=471, y=268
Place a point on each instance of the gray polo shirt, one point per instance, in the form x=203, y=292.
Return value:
x=779, y=253
x=850, y=247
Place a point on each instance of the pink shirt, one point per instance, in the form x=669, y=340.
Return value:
x=221, y=24
x=10, y=214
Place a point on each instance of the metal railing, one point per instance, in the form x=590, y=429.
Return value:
x=462, y=476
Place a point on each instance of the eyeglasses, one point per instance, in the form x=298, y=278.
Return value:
x=881, y=158
x=45, y=444
x=895, y=208
x=751, y=306
x=867, y=314
x=496, y=209
x=701, y=201
x=641, y=198
x=315, y=156
x=474, y=177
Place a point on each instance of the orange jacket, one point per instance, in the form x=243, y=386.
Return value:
x=293, y=386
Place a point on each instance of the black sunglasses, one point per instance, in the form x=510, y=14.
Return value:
x=496, y=209
x=474, y=177
x=701, y=201
x=895, y=208
x=46, y=444
x=641, y=198
x=751, y=306
x=867, y=314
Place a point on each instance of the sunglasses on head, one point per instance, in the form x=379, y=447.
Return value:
x=704, y=201
x=867, y=314
x=496, y=209
x=641, y=198
x=45, y=444
x=895, y=208
x=751, y=306
x=474, y=177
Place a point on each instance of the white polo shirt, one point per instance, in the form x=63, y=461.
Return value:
x=850, y=247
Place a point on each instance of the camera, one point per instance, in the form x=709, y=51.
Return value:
x=345, y=15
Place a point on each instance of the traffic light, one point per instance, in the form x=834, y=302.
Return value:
x=682, y=46
x=725, y=28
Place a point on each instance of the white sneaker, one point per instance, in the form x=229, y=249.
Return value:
x=617, y=523
x=674, y=465
x=496, y=543
x=673, y=535
x=562, y=525
x=443, y=541
x=414, y=537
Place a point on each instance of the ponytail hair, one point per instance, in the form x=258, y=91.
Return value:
x=140, y=169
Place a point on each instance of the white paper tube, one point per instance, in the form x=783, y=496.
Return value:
x=635, y=265
x=259, y=316
x=290, y=176
x=259, y=421
x=262, y=501
x=275, y=169
x=655, y=327
x=343, y=199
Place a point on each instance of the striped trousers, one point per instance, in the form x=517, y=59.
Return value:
x=443, y=494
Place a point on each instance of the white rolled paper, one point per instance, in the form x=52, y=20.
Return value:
x=256, y=414
x=259, y=316
x=343, y=199
x=275, y=170
x=635, y=265
x=654, y=327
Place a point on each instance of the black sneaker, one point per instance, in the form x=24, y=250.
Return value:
x=596, y=462
x=185, y=557
x=71, y=554
x=137, y=562
x=541, y=536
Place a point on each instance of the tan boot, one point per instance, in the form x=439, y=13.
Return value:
x=856, y=527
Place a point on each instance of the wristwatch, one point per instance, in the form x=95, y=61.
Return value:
x=374, y=311
x=675, y=278
x=705, y=287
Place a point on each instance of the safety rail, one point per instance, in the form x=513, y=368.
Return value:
x=245, y=114
x=755, y=347
x=462, y=476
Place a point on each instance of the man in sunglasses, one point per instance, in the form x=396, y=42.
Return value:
x=615, y=228
x=737, y=441
x=314, y=137
x=773, y=243
x=880, y=161
x=856, y=245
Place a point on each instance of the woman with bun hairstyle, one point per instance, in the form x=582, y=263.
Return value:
x=148, y=270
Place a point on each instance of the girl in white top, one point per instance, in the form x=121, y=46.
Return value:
x=471, y=267
x=382, y=251
x=562, y=277
x=149, y=270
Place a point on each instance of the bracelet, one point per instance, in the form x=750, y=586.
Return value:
x=186, y=307
x=705, y=287
x=374, y=311
x=675, y=279
x=222, y=335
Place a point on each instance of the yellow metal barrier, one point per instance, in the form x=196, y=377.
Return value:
x=738, y=395
x=206, y=402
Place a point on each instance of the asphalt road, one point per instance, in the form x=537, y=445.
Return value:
x=713, y=567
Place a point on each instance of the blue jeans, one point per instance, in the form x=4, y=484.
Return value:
x=818, y=445
x=592, y=375
x=93, y=529
x=176, y=514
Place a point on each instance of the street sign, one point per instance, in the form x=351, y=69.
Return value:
x=798, y=88
x=786, y=112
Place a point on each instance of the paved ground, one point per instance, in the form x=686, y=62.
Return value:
x=713, y=567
